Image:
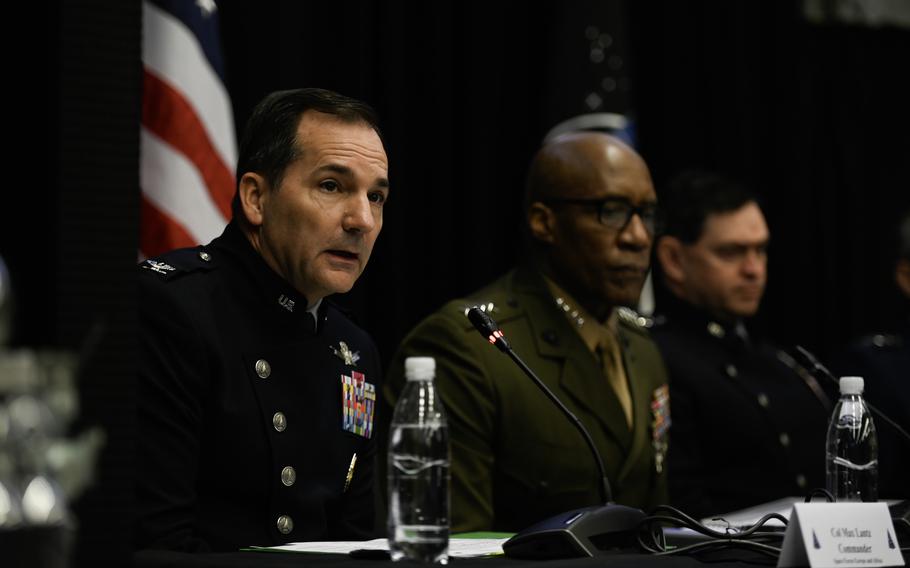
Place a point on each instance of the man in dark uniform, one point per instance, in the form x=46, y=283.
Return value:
x=883, y=360
x=748, y=424
x=256, y=395
x=516, y=459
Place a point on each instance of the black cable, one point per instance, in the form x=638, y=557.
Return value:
x=682, y=519
x=819, y=491
x=709, y=545
x=652, y=539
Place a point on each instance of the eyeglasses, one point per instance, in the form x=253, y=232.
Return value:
x=616, y=213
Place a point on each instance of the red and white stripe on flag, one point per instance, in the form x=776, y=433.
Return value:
x=187, y=139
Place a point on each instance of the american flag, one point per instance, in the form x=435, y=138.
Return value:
x=187, y=141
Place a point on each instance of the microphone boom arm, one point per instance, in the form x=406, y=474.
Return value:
x=815, y=367
x=589, y=531
x=605, y=492
x=488, y=328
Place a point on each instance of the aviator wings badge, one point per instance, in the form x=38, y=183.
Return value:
x=344, y=353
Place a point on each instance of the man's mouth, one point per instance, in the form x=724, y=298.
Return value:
x=630, y=269
x=750, y=292
x=344, y=254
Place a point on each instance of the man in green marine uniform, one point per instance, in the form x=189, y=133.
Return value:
x=590, y=207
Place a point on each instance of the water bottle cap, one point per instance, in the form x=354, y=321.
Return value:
x=851, y=385
x=419, y=368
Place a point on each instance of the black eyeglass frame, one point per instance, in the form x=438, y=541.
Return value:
x=648, y=213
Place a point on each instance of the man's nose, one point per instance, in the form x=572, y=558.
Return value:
x=635, y=234
x=754, y=263
x=358, y=215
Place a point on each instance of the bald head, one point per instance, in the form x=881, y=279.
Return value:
x=585, y=198
x=578, y=164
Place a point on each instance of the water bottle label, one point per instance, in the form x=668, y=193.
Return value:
x=868, y=466
x=412, y=465
x=849, y=421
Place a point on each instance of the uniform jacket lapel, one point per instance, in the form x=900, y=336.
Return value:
x=580, y=377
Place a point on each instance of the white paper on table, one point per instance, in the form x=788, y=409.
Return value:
x=458, y=547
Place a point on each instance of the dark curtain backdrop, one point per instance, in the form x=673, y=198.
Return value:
x=814, y=116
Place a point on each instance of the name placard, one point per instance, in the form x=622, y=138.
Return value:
x=840, y=535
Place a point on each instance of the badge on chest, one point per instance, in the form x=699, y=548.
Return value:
x=358, y=400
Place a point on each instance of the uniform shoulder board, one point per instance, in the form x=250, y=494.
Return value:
x=463, y=306
x=500, y=307
x=633, y=319
x=179, y=262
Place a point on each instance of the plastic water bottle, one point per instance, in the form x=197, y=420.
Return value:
x=852, y=449
x=419, y=469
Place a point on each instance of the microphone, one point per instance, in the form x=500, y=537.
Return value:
x=815, y=368
x=488, y=328
x=589, y=531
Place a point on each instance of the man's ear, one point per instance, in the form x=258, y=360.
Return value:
x=669, y=252
x=902, y=276
x=542, y=222
x=253, y=191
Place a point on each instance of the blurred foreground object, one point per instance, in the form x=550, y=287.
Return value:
x=41, y=469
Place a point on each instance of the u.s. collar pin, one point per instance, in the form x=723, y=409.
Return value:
x=344, y=353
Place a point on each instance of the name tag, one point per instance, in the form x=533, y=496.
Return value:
x=840, y=535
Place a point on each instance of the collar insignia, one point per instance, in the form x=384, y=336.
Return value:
x=344, y=353
x=286, y=302
x=716, y=330
x=570, y=312
x=160, y=267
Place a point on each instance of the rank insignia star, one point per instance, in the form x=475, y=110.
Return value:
x=344, y=353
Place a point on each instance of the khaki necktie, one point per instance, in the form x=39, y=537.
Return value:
x=611, y=363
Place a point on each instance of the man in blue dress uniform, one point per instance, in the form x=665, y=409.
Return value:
x=256, y=394
x=748, y=423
